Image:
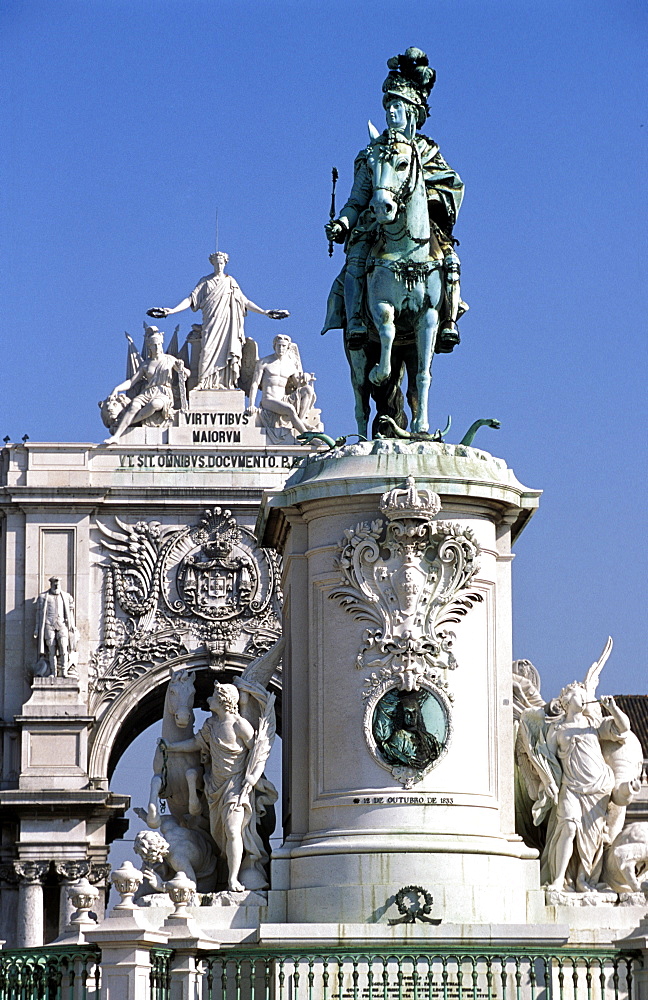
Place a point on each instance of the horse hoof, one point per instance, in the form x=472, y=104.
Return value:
x=377, y=376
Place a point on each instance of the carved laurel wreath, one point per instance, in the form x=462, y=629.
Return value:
x=408, y=901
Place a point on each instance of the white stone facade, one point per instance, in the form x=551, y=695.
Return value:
x=61, y=507
x=356, y=835
x=135, y=533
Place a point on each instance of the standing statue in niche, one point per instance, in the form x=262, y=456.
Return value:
x=56, y=632
x=581, y=770
x=287, y=393
x=398, y=295
x=223, y=306
x=153, y=403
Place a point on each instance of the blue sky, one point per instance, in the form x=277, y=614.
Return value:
x=130, y=123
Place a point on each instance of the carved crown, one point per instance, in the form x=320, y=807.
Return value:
x=409, y=502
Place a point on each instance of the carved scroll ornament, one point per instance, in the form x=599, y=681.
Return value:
x=409, y=576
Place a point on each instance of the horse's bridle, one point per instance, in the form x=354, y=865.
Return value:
x=388, y=148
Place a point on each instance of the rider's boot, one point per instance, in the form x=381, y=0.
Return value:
x=448, y=337
x=356, y=331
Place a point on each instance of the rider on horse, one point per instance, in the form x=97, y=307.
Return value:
x=405, y=90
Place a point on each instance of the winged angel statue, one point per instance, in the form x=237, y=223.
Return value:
x=581, y=769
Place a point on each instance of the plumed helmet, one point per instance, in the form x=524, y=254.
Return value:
x=411, y=78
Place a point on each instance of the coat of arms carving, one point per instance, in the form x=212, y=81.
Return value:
x=219, y=578
x=408, y=575
x=206, y=584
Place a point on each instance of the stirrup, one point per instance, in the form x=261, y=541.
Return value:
x=356, y=339
x=447, y=339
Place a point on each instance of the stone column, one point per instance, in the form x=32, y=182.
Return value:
x=99, y=875
x=69, y=871
x=30, y=902
x=397, y=710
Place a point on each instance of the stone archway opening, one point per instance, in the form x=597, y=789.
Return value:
x=149, y=710
x=141, y=705
x=129, y=762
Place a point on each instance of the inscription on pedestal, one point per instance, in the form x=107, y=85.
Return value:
x=404, y=800
x=191, y=461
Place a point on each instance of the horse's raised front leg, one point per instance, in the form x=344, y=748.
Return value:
x=383, y=317
x=152, y=815
x=425, y=338
x=194, y=783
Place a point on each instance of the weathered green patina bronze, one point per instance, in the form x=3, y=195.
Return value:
x=397, y=297
x=400, y=730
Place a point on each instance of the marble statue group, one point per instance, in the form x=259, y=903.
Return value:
x=158, y=382
x=221, y=805
x=580, y=766
x=398, y=301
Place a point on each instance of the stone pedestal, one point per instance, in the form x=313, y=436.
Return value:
x=126, y=960
x=54, y=736
x=357, y=828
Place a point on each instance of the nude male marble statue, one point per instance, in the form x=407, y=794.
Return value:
x=273, y=375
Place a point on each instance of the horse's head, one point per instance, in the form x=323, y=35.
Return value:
x=392, y=159
x=180, y=698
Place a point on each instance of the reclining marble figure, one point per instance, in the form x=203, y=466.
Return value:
x=153, y=403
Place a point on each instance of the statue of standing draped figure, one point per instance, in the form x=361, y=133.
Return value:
x=224, y=307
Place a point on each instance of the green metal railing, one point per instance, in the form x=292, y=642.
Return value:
x=160, y=977
x=471, y=973
x=56, y=973
x=464, y=974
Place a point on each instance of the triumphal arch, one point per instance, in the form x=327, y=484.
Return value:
x=125, y=561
